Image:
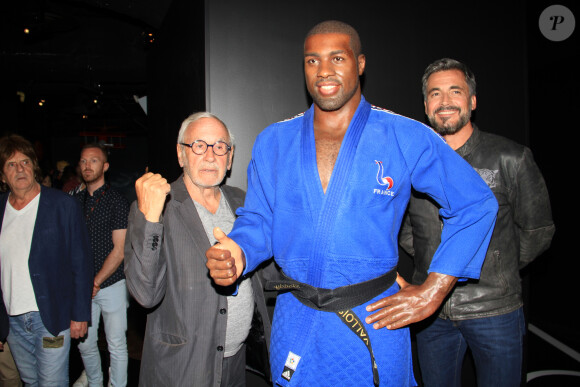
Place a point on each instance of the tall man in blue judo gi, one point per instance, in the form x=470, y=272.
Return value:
x=327, y=191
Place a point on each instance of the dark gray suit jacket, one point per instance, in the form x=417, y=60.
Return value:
x=165, y=270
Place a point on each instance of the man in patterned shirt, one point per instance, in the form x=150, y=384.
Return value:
x=106, y=212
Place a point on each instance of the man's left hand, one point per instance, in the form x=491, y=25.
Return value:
x=96, y=289
x=412, y=303
x=78, y=329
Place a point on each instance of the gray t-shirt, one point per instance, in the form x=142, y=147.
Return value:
x=240, y=306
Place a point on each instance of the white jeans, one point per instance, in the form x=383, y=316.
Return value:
x=112, y=302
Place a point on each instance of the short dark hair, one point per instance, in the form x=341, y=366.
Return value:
x=98, y=146
x=445, y=64
x=13, y=143
x=338, y=27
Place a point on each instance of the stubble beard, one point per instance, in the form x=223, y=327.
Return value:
x=94, y=179
x=446, y=127
x=198, y=181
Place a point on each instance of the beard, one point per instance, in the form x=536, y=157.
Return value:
x=204, y=182
x=91, y=178
x=447, y=126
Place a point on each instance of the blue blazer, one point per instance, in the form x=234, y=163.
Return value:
x=60, y=262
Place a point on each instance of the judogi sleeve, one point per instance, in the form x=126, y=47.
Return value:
x=468, y=207
x=253, y=227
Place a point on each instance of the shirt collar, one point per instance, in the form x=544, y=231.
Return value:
x=98, y=191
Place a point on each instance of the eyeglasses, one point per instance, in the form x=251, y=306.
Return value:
x=199, y=147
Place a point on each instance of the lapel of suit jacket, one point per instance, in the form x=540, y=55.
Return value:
x=187, y=212
x=44, y=218
x=234, y=200
x=3, y=202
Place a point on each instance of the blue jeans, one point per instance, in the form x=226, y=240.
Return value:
x=112, y=302
x=495, y=342
x=40, y=359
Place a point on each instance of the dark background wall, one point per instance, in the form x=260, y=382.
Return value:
x=553, y=96
x=255, y=72
x=175, y=81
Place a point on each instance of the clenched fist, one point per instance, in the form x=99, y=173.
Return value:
x=152, y=190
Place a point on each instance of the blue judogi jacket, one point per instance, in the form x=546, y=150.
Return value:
x=349, y=234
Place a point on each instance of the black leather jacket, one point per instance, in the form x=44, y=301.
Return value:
x=523, y=229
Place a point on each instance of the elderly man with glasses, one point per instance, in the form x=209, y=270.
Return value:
x=197, y=333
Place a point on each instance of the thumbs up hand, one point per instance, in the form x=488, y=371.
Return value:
x=225, y=260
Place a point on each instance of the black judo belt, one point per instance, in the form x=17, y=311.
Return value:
x=340, y=301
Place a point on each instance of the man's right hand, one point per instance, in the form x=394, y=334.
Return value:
x=151, y=190
x=412, y=303
x=225, y=260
